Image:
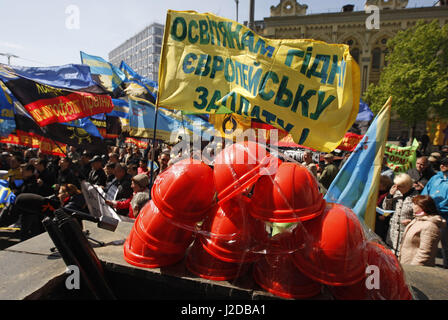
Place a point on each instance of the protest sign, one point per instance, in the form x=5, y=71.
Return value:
x=401, y=159
x=95, y=201
x=214, y=65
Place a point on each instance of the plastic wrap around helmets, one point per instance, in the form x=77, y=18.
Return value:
x=391, y=281
x=331, y=248
x=292, y=195
x=155, y=240
x=185, y=192
x=276, y=273
x=239, y=166
x=206, y=266
x=232, y=235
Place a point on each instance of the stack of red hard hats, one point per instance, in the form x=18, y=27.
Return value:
x=248, y=192
x=165, y=227
x=384, y=281
x=230, y=239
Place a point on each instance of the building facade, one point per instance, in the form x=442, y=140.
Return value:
x=367, y=45
x=141, y=52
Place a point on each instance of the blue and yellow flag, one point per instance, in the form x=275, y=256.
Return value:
x=6, y=195
x=138, y=86
x=108, y=76
x=356, y=185
x=169, y=124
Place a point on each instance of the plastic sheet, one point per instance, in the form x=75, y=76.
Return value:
x=252, y=214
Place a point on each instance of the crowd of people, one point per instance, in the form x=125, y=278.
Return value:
x=417, y=200
x=124, y=174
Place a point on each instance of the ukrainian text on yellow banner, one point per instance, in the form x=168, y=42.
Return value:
x=308, y=88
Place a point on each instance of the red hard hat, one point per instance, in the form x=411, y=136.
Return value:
x=276, y=273
x=291, y=196
x=206, y=266
x=232, y=235
x=185, y=192
x=239, y=166
x=331, y=248
x=155, y=240
x=392, y=284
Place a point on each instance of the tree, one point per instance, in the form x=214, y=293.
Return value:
x=416, y=75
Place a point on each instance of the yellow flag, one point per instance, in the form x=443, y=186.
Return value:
x=308, y=88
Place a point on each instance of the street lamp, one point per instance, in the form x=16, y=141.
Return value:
x=9, y=56
x=237, y=2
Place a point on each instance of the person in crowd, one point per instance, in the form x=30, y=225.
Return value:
x=399, y=200
x=139, y=200
x=329, y=173
x=437, y=189
x=424, y=139
x=4, y=161
x=29, y=181
x=309, y=163
x=109, y=170
x=45, y=179
x=164, y=159
x=71, y=197
x=422, y=235
x=386, y=171
x=84, y=165
x=135, y=157
x=143, y=167
x=97, y=176
x=120, y=188
x=132, y=169
x=66, y=175
x=73, y=154
x=444, y=151
x=114, y=158
x=382, y=222
x=140, y=184
x=122, y=155
x=14, y=173
x=28, y=154
x=421, y=173
x=434, y=163
x=127, y=155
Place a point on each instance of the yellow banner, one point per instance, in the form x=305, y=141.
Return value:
x=308, y=88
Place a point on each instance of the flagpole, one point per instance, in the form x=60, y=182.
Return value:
x=153, y=151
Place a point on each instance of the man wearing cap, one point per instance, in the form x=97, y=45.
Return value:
x=330, y=172
x=97, y=176
x=421, y=173
x=437, y=188
x=140, y=186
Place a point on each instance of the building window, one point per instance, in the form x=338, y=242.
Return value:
x=355, y=54
x=376, y=58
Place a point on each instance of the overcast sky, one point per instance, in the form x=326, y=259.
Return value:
x=37, y=32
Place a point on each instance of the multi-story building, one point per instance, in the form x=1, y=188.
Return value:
x=141, y=52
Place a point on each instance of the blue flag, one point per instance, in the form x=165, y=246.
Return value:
x=74, y=77
x=7, y=122
x=169, y=123
x=356, y=185
x=365, y=114
x=107, y=75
